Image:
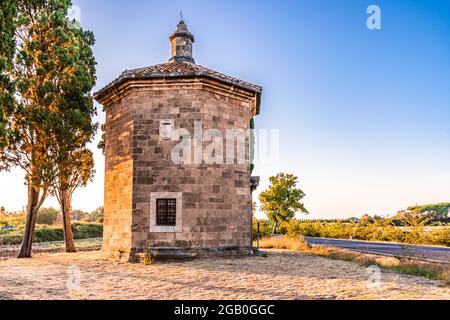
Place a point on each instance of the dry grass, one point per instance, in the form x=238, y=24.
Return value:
x=280, y=275
x=285, y=243
x=429, y=270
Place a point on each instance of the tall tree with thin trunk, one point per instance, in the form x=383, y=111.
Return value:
x=74, y=127
x=28, y=122
x=53, y=70
x=74, y=171
x=282, y=200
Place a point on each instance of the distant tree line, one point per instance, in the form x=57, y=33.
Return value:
x=429, y=213
x=51, y=216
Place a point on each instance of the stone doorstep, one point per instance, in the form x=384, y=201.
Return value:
x=172, y=255
x=176, y=253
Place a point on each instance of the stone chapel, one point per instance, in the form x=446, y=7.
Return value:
x=155, y=203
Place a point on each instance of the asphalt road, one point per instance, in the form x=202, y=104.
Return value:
x=441, y=254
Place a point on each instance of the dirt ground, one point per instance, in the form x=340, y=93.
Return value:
x=281, y=275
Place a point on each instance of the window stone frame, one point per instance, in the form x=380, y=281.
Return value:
x=179, y=221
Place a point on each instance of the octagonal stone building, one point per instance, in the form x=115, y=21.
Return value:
x=169, y=207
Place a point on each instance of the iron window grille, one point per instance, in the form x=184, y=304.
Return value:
x=166, y=212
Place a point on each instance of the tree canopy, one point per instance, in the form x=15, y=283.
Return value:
x=47, y=216
x=282, y=200
x=8, y=11
x=50, y=71
x=430, y=212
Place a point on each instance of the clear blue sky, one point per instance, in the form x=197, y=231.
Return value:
x=364, y=115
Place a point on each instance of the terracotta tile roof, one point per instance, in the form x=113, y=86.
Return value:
x=178, y=69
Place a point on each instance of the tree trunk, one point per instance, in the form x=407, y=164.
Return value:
x=34, y=203
x=275, y=226
x=65, y=209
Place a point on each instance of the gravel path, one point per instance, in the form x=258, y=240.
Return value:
x=281, y=275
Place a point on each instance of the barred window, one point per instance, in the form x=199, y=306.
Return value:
x=166, y=212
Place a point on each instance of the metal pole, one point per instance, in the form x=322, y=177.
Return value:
x=257, y=238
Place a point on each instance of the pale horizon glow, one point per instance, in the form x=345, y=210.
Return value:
x=363, y=115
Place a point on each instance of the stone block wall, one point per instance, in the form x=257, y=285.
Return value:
x=118, y=179
x=216, y=199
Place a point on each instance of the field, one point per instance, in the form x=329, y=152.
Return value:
x=12, y=251
x=280, y=275
x=379, y=231
x=300, y=273
x=404, y=263
x=47, y=233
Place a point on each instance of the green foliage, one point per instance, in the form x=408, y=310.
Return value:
x=44, y=233
x=12, y=219
x=98, y=214
x=94, y=216
x=87, y=230
x=407, y=227
x=7, y=49
x=77, y=215
x=44, y=74
x=254, y=207
x=365, y=220
x=437, y=212
x=265, y=228
x=47, y=234
x=421, y=270
x=378, y=231
x=47, y=216
x=72, y=125
x=252, y=145
x=18, y=219
x=50, y=72
x=71, y=61
x=282, y=200
x=102, y=143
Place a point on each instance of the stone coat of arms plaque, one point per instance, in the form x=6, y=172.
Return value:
x=166, y=129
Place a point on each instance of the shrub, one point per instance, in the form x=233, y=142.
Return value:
x=287, y=243
x=380, y=230
x=47, y=216
x=11, y=239
x=430, y=271
x=265, y=228
x=45, y=233
x=12, y=219
x=87, y=230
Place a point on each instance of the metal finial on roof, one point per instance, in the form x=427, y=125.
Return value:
x=181, y=15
